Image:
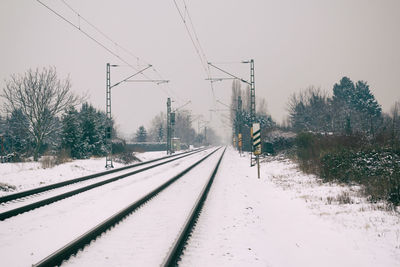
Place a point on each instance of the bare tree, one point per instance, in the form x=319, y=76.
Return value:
x=41, y=97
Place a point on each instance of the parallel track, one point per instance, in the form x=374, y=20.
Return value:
x=41, y=189
x=47, y=201
x=74, y=246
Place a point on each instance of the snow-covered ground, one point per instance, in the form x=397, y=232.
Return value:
x=26, y=175
x=28, y=238
x=285, y=218
x=145, y=237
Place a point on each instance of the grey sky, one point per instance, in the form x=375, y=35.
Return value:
x=295, y=44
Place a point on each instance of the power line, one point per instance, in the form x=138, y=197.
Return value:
x=103, y=34
x=86, y=34
x=194, y=31
x=78, y=27
x=198, y=48
x=191, y=37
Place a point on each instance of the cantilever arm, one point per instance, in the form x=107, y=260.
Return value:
x=124, y=80
x=209, y=63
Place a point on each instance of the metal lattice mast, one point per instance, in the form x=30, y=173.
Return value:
x=239, y=111
x=172, y=119
x=252, y=93
x=109, y=163
x=252, y=107
x=169, y=151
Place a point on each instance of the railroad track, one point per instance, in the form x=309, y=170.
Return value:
x=19, y=198
x=147, y=205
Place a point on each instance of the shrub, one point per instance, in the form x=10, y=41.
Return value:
x=126, y=157
x=348, y=159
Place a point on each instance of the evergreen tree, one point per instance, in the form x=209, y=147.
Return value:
x=366, y=104
x=71, y=134
x=101, y=122
x=141, y=134
x=343, y=95
x=355, y=108
x=19, y=139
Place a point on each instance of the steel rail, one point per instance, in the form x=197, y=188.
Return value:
x=47, y=201
x=57, y=257
x=176, y=250
x=81, y=179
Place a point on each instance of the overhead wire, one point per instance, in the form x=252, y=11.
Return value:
x=195, y=33
x=195, y=42
x=87, y=34
x=115, y=54
x=190, y=35
x=103, y=34
x=208, y=70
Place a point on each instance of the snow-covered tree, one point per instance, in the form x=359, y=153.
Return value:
x=92, y=124
x=354, y=107
x=71, y=133
x=16, y=138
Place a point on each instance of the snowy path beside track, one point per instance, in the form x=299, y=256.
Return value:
x=255, y=222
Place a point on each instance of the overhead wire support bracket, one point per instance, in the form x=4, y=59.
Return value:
x=184, y=105
x=233, y=76
x=150, y=81
x=213, y=80
x=126, y=79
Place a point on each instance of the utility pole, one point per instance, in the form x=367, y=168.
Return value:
x=109, y=163
x=252, y=108
x=252, y=96
x=252, y=93
x=169, y=151
x=171, y=123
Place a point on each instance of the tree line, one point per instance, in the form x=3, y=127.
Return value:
x=183, y=129
x=352, y=108
x=42, y=115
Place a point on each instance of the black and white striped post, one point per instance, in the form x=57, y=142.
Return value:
x=257, y=144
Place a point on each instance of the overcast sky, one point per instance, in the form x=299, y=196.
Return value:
x=295, y=44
